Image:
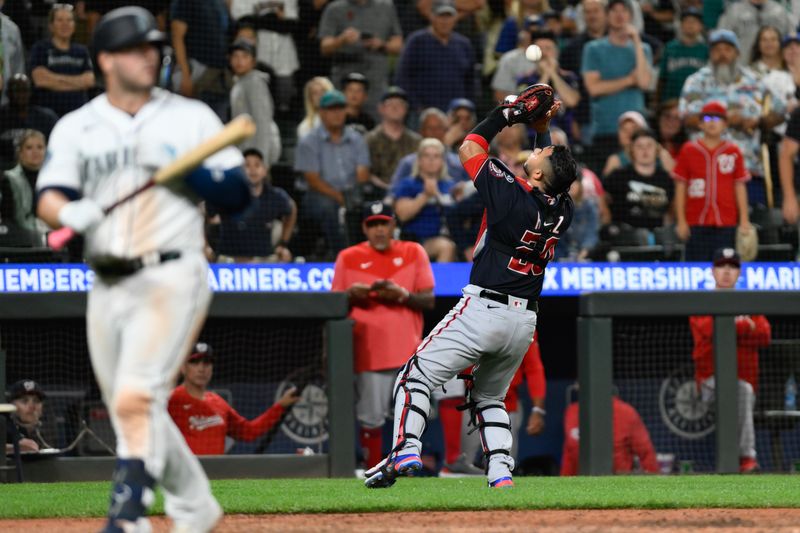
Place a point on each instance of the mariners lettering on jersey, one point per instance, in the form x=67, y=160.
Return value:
x=199, y=423
x=95, y=167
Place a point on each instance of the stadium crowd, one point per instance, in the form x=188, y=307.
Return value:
x=364, y=100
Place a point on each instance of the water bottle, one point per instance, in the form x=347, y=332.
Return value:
x=790, y=401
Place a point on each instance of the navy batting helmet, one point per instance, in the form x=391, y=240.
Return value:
x=126, y=27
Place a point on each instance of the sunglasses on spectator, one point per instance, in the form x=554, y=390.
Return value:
x=59, y=7
x=712, y=118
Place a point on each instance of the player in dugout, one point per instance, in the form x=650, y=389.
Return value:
x=205, y=419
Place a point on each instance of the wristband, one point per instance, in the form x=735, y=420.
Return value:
x=539, y=410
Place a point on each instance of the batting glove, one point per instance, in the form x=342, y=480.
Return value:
x=81, y=215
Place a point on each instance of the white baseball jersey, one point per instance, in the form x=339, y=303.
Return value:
x=103, y=153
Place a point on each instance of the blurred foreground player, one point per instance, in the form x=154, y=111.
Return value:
x=388, y=284
x=493, y=324
x=205, y=419
x=752, y=332
x=150, y=294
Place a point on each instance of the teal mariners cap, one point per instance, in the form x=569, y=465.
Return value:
x=332, y=98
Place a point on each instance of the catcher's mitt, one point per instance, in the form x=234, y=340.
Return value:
x=531, y=105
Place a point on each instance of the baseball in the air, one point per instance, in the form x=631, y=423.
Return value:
x=533, y=53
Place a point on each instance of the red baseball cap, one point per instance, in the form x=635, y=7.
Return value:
x=715, y=108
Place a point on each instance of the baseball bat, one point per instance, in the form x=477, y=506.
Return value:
x=765, y=155
x=237, y=130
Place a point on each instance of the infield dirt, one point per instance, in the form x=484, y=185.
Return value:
x=583, y=521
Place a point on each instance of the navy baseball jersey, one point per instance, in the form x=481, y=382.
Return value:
x=520, y=229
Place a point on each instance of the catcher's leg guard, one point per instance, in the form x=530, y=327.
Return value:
x=412, y=396
x=496, y=438
x=131, y=495
x=412, y=400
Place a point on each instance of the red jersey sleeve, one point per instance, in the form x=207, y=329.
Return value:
x=756, y=336
x=641, y=445
x=474, y=164
x=702, y=328
x=339, y=282
x=534, y=370
x=681, y=170
x=569, y=454
x=424, y=273
x=248, y=430
x=740, y=172
x=176, y=413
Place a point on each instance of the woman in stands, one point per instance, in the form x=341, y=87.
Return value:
x=421, y=200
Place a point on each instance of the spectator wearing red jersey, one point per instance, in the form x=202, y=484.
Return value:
x=752, y=332
x=205, y=419
x=631, y=439
x=388, y=283
x=710, y=191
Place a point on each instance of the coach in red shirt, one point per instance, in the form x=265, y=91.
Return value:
x=710, y=191
x=205, y=419
x=388, y=283
x=631, y=439
x=752, y=332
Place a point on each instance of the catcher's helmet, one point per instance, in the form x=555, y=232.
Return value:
x=126, y=27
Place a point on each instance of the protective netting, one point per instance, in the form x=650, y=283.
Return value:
x=256, y=360
x=655, y=372
x=288, y=53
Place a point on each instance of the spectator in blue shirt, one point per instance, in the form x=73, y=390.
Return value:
x=432, y=123
x=61, y=70
x=437, y=63
x=332, y=159
x=420, y=201
x=616, y=71
x=248, y=237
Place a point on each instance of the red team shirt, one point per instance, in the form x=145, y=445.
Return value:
x=748, y=341
x=630, y=439
x=384, y=335
x=710, y=176
x=205, y=423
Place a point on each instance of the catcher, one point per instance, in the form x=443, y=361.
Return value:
x=493, y=324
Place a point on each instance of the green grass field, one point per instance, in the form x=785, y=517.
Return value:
x=428, y=494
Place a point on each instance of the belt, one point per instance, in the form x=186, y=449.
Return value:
x=108, y=266
x=498, y=297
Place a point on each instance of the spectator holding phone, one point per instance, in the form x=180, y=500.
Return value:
x=359, y=35
x=388, y=284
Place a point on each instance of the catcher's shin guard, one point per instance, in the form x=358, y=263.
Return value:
x=412, y=399
x=496, y=439
x=131, y=495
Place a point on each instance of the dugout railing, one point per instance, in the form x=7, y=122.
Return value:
x=327, y=310
x=597, y=312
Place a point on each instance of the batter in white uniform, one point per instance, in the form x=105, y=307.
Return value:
x=151, y=294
